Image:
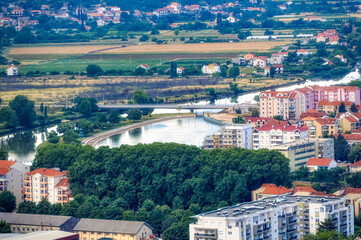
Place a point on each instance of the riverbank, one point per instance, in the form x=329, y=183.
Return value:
x=95, y=139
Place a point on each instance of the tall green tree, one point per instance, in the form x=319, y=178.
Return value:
x=326, y=225
x=46, y=112
x=7, y=201
x=135, y=114
x=353, y=108
x=140, y=96
x=43, y=207
x=342, y=148
x=238, y=120
x=24, y=109
x=94, y=70
x=173, y=69
x=8, y=116
x=4, y=153
x=42, y=107
x=342, y=108
x=233, y=72
x=85, y=107
x=27, y=207
x=114, y=117
x=354, y=180
x=272, y=72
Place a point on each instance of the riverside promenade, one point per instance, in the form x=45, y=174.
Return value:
x=95, y=139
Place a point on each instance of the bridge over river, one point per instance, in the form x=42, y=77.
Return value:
x=191, y=107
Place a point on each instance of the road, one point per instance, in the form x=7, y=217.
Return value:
x=172, y=106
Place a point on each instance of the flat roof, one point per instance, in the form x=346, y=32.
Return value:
x=248, y=208
x=299, y=142
x=44, y=235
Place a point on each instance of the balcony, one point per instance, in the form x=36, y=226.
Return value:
x=205, y=235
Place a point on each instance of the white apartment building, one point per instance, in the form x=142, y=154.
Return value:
x=47, y=183
x=12, y=176
x=283, y=104
x=282, y=217
x=273, y=135
x=237, y=135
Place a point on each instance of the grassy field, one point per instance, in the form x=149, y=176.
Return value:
x=74, y=58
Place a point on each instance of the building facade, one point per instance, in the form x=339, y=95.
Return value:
x=281, y=217
x=279, y=104
x=273, y=135
x=12, y=176
x=237, y=135
x=46, y=183
x=90, y=229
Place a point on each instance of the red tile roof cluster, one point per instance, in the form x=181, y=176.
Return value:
x=270, y=188
x=333, y=103
x=302, y=50
x=319, y=162
x=356, y=164
x=278, y=66
x=47, y=172
x=303, y=189
x=351, y=119
x=284, y=128
x=5, y=166
x=350, y=136
x=63, y=183
x=349, y=190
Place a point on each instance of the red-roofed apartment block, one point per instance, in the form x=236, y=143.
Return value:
x=314, y=164
x=268, y=190
x=353, y=196
x=12, y=175
x=50, y=184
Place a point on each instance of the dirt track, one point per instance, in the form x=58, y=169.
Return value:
x=192, y=48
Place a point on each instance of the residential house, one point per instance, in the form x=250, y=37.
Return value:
x=272, y=135
x=231, y=19
x=355, y=167
x=333, y=40
x=315, y=164
x=260, y=61
x=353, y=196
x=282, y=7
x=267, y=71
x=12, y=174
x=144, y=66
x=193, y=8
x=25, y=223
x=321, y=38
x=239, y=61
x=180, y=70
x=176, y=7
x=307, y=118
x=114, y=8
x=315, y=18
x=113, y=229
x=211, y=68
x=281, y=217
x=17, y=12
x=300, y=151
x=236, y=135
x=303, y=52
x=161, y=12
x=268, y=190
x=275, y=59
x=249, y=56
x=46, y=183
x=325, y=127
x=278, y=68
x=343, y=59
x=260, y=121
x=12, y=70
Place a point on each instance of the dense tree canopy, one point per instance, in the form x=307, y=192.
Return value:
x=7, y=201
x=24, y=109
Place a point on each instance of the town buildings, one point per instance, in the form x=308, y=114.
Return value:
x=25, y=223
x=50, y=184
x=12, y=176
x=12, y=70
x=355, y=167
x=272, y=135
x=89, y=229
x=353, y=196
x=268, y=190
x=282, y=104
x=279, y=217
x=299, y=152
x=237, y=135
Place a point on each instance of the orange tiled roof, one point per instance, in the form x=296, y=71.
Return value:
x=303, y=189
x=319, y=162
x=326, y=121
x=350, y=136
x=270, y=188
x=351, y=119
x=312, y=113
x=47, y=172
x=356, y=164
x=349, y=190
x=63, y=183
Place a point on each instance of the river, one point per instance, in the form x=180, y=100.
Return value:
x=22, y=146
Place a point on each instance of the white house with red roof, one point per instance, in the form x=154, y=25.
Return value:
x=269, y=190
x=144, y=66
x=47, y=183
x=355, y=167
x=315, y=164
x=180, y=70
x=272, y=135
x=12, y=175
x=303, y=52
